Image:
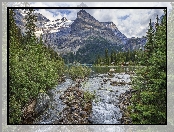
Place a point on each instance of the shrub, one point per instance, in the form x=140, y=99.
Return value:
x=31, y=70
x=89, y=96
x=32, y=67
x=79, y=71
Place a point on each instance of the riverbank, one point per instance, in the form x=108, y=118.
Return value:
x=73, y=102
x=124, y=103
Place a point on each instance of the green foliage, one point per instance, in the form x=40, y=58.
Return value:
x=89, y=96
x=30, y=26
x=32, y=68
x=149, y=102
x=79, y=71
x=133, y=57
x=14, y=32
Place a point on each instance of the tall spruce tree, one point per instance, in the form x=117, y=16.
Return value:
x=112, y=56
x=30, y=26
x=150, y=43
x=106, y=57
x=14, y=31
x=149, y=102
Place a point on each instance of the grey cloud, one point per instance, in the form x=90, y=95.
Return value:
x=142, y=32
x=137, y=21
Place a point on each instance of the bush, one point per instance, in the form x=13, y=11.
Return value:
x=32, y=67
x=89, y=96
x=79, y=71
x=31, y=70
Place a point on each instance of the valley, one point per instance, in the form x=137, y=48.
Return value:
x=84, y=71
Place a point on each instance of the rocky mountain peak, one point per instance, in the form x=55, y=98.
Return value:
x=64, y=19
x=82, y=13
x=84, y=16
x=110, y=25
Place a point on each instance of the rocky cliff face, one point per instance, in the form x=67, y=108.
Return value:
x=135, y=44
x=73, y=37
x=20, y=20
x=86, y=25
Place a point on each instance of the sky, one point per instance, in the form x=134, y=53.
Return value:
x=131, y=22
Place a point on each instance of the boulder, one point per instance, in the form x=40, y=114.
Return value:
x=83, y=114
x=42, y=103
x=28, y=113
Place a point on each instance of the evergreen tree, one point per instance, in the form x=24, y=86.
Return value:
x=40, y=39
x=98, y=60
x=14, y=31
x=149, y=102
x=30, y=26
x=112, y=56
x=150, y=43
x=106, y=57
x=115, y=58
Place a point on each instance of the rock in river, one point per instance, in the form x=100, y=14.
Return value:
x=42, y=103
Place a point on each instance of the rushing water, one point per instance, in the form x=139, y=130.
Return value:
x=56, y=104
x=105, y=109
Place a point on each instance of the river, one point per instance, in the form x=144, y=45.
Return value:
x=105, y=107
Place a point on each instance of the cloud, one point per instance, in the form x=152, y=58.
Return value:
x=131, y=22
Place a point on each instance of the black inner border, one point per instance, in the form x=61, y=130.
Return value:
x=8, y=8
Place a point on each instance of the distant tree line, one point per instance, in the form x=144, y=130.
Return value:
x=119, y=58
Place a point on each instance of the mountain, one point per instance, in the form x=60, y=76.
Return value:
x=75, y=36
x=93, y=47
x=135, y=43
x=86, y=25
x=19, y=17
x=81, y=39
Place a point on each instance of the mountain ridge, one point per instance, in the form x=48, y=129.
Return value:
x=66, y=36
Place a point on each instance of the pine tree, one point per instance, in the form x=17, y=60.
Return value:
x=98, y=60
x=115, y=58
x=150, y=43
x=106, y=57
x=149, y=102
x=14, y=31
x=112, y=57
x=30, y=26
